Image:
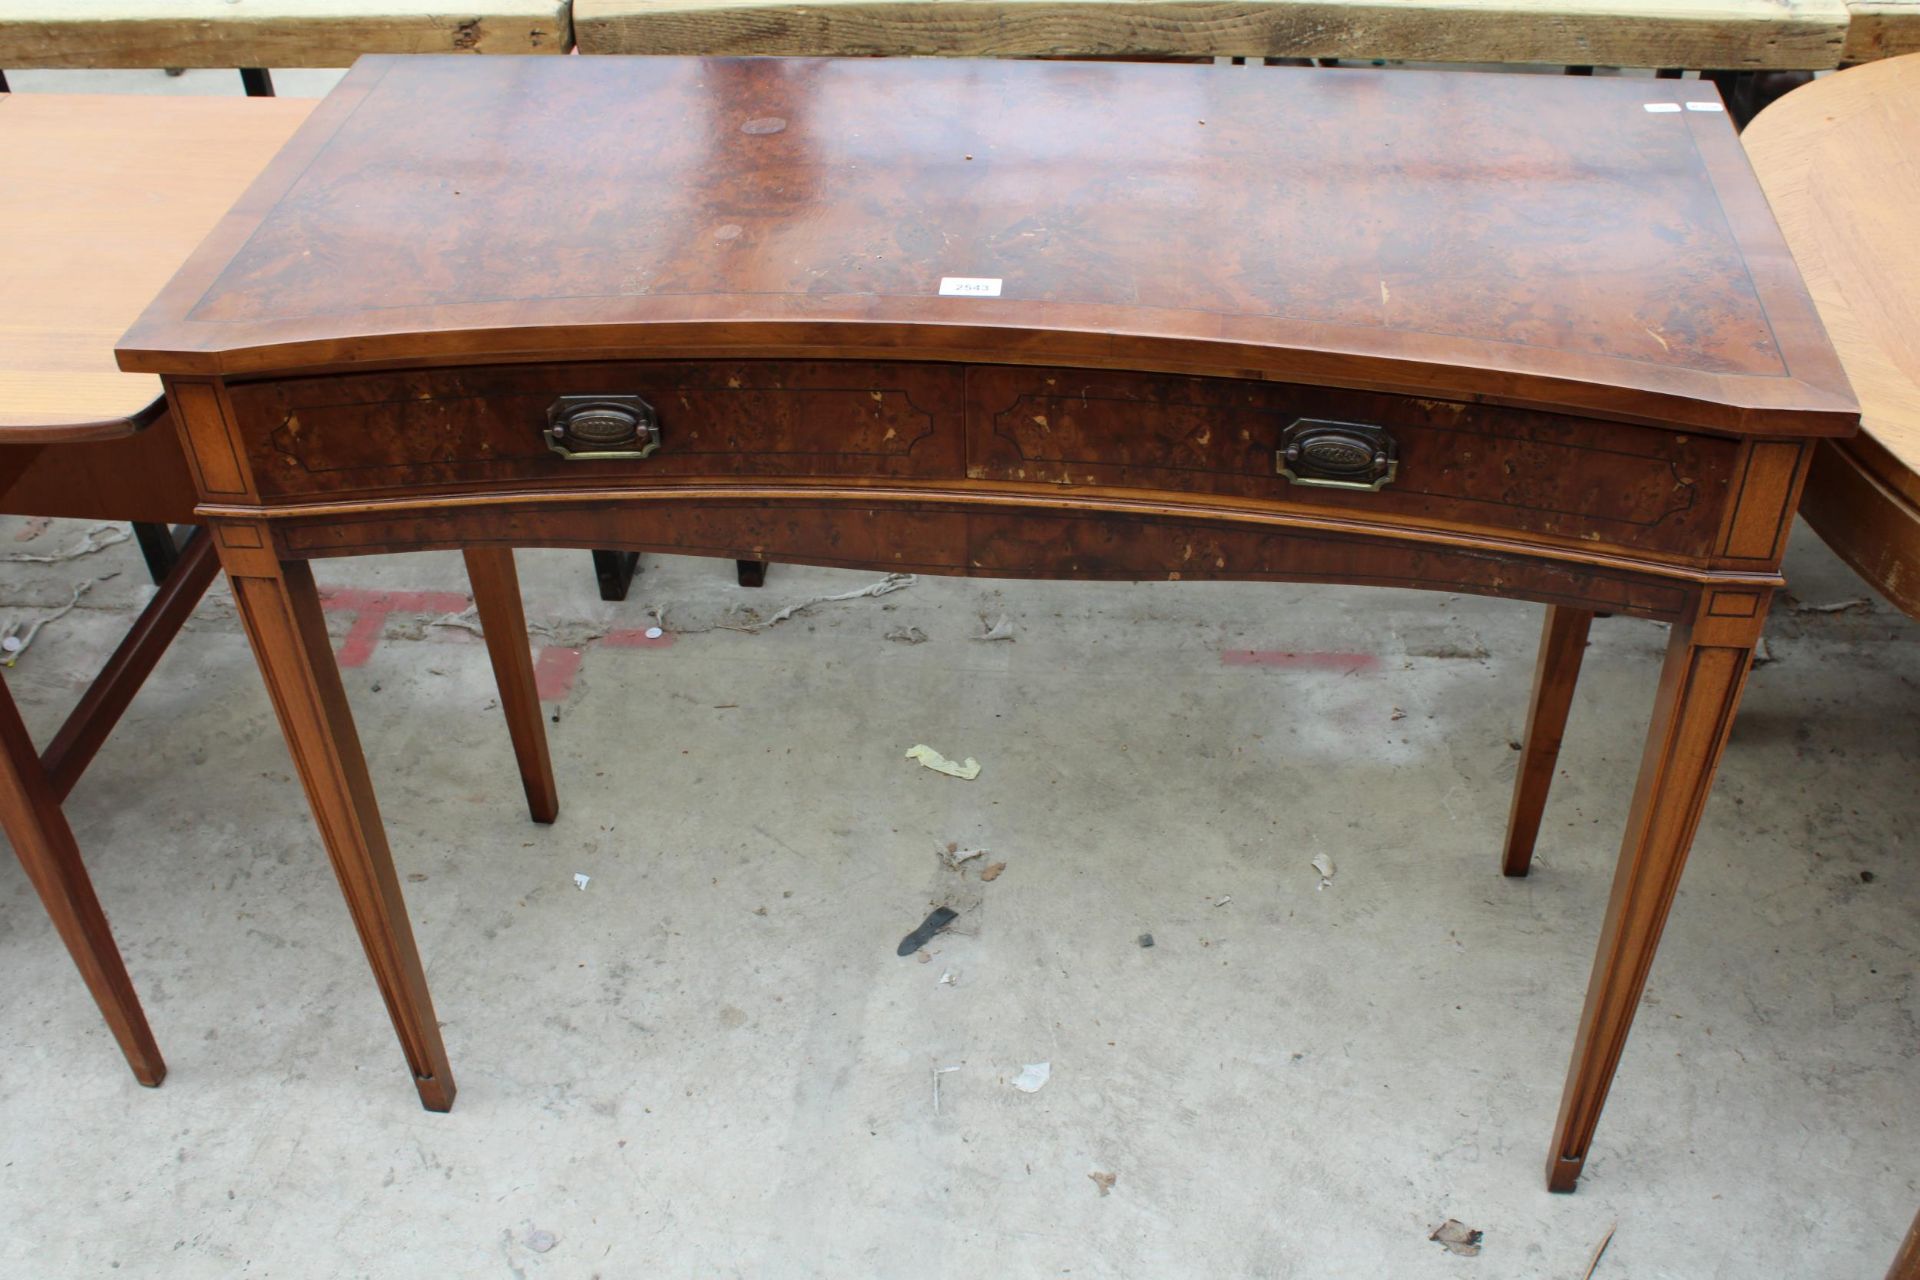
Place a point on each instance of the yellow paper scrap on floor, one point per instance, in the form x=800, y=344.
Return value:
x=927, y=756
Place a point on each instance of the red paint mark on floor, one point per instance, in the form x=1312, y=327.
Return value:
x=553, y=672
x=637, y=638
x=554, y=668
x=1339, y=663
x=370, y=610
x=361, y=638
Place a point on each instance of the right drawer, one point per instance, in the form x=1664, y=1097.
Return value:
x=1508, y=470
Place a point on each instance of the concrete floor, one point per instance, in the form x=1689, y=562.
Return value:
x=710, y=1062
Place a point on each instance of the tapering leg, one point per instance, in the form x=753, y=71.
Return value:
x=1907, y=1265
x=496, y=595
x=281, y=611
x=1563, y=642
x=44, y=843
x=1700, y=682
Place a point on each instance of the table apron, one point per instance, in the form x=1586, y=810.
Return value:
x=981, y=533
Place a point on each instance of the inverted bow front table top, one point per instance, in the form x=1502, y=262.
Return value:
x=1520, y=336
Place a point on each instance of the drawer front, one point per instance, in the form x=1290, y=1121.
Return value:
x=1456, y=464
x=465, y=428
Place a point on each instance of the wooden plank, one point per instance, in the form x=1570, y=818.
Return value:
x=1730, y=34
x=1881, y=29
x=104, y=197
x=267, y=33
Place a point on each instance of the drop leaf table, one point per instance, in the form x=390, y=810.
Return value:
x=104, y=197
x=1527, y=337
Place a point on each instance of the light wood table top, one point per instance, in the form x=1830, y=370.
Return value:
x=267, y=33
x=1840, y=163
x=1718, y=34
x=139, y=182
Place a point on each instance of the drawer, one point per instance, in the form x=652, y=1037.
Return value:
x=466, y=428
x=1455, y=464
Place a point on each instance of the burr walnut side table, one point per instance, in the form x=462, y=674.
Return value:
x=1526, y=337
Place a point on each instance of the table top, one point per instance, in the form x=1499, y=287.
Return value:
x=1544, y=241
x=104, y=198
x=267, y=33
x=1629, y=33
x=1840, y=162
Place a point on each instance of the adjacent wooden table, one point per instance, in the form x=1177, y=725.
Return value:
x=1530, y=337
x=1840, y=163
x=105, y=197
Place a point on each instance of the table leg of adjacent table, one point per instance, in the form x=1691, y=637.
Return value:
x=34, y=784
x=42, y=840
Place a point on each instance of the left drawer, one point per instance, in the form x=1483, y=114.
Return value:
x=469, y=428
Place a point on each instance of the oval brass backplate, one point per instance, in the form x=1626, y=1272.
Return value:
x=1337, y=455
x=583, y=428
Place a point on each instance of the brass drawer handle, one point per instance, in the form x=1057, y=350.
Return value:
x=582, y=428
x=1337, y=455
